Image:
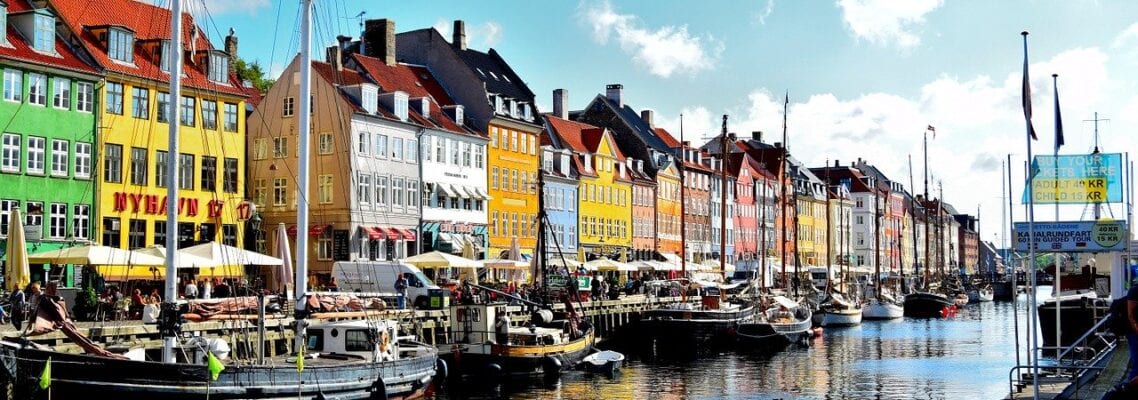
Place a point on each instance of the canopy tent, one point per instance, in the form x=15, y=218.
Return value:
x=185, y=260
x=605, y=264
x=17, y=274
x=229, y=255
x=118, y=273
x=95, y=255
x=560, y=262
x=504, y=264
x=438, y=259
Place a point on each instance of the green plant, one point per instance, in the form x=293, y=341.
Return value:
x=86, y=304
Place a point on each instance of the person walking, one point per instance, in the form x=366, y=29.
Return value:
x=502, y=327
x=191, y=290
x=1132, y=333
x=401, y=289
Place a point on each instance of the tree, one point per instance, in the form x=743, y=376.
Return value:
x=252, y=72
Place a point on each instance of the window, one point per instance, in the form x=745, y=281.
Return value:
x=160, y=232
x=13, y=85
x=161, y=163
x=188, y=110
x=37, y=89
x=209, y=114
x=84, y=96
x=44, y=33
x=114, y=93
x=479, y=155
x=140, y=101
x=10, y=156
x=260, y=149
x=381, y=191
x=364, y=143
x=229, y=183
x=288, y=108
x=259, y=192
x=218, y=67
x=440, y=151
x=325, y=143
x=324, y=189
x=513, y=141
x=381, y=145
x=363, y=189
x=465, y=154
x=229, y=235
x=532, y=145
x=514, y=179
x=57, y=221
x=209, y=173
x=138, y=166
x=280, y=194
x=413, y=194
x=81, y=217
x=494, y=136
x=454, y=151
x=494, y=223
x=61, y=93
x=111, y=232
x=59, y=155
x=230, y=117
x=120, y=45
x=397, y=192
x=280, y=147
x=186, y=171
x=136, y=236
x=324, y=248
x=412, y=153
x=396, y=148
x=82, y=160
x=6, y=207
x=36, y=155
x=494, y=177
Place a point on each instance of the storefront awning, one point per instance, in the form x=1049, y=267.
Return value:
x=482, y=193
x=373, y=232
x=447, y=190
x=461, y=190
x=313, y=230
x=407, y=234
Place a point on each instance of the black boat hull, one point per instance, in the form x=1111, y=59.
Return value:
x=1078, y=316
x=494, y=360
x=926, y=305
x=75, y=376
x=692, y=330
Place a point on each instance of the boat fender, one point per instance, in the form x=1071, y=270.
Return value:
x=441, y=370
x=542, y=317
x=551, y=365
x=378, y=390
x=817, y=331
x=494, y=370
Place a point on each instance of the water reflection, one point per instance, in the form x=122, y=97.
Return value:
x=967, y=357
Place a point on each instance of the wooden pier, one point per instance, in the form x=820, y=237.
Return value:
x=1094, y=386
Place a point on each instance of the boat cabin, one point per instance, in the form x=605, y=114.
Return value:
x=369, y=340
x=476, y=324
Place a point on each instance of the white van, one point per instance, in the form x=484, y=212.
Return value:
x=379, y=276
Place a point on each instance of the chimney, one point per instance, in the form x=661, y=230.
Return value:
x=560, y=97
x=757, y=136
x=459, y=35
x=231, y=49
x=333, y=57
x=778, y=145
x=613, y=92
x=647, y=115
x=379, y=39
x=344, y=42
x=837, y=163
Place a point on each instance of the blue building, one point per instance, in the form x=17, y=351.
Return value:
x=560, y=192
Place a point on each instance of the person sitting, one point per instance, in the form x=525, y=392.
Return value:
x=154, y=297
x=136, y=303
x=191, y=291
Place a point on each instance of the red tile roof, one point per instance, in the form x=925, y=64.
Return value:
x=417, y=82
x=20, y=50
x=667, y=138
x=148, y=23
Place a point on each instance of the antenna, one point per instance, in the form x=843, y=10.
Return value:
x=1096, y=121
x=360, y=17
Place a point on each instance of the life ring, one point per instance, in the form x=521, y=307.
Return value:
x=384, y=341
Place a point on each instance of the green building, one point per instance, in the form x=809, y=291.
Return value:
x=47, y=134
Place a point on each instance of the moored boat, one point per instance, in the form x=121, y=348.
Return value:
x=881, y=308
x=837, y=311
x=603, y=362
x=695, y=327
x=482, y=348
x=926, y=304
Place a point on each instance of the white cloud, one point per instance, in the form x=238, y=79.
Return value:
x=1128, y=35
x=217, y=7
x=662, y=51
x=978, y=121
x=482, y=36
x=766, y=12
x=885, y=22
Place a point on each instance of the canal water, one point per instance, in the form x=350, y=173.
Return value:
x=963, y=357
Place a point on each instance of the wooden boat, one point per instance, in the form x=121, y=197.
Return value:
x=1081, y=310
x=692, y=328
x=882, y=308
x=926, y=305
x=782, y=324
x=837, y=311
x=548, y=349
x=603, y=362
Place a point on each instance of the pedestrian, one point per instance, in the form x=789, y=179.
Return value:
x=207, y=288
x=595, y=285
x=191, y=290
x=401, y=290
x=1132, y=333
x=502, y=327
x=19, y=302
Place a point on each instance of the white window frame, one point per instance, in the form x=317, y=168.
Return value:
x=37, y=149
x=326, y=145
x=364, y=143
x=380, y=145
x=61, y=93
x=324, y=189
x=280, y=192
x=84, y=96
x=13, y=85
x=83, y=160
x=57, y=221
x=363, y=189
x=81, y=225
x=397, y=148
x=37, y=89
x=479, y=155
x=60, y=154
x=381, y=194
x=120, y=45
x=6, y=207
x=10, y=154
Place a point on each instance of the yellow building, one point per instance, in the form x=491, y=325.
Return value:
x=512, y=160
x=604, y=192
x=668, y=210
x=133, y=130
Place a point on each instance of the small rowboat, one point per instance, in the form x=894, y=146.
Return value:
x=607, y=362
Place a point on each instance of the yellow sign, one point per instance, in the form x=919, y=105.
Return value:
x=1107, y=233
x=1072, y=190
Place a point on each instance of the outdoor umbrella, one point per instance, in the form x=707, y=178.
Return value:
x=282, y=277
x=229, y=255
x=16, y=272
x=607, y=264
x=438, y=259
x=515, y=251
x=95, y=255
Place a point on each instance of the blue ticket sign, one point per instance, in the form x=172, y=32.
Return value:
x=1076, y=179
x=1073, y=236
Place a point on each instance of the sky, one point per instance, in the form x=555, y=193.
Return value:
x=865, y=78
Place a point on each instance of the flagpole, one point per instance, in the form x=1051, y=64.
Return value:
x=1033, y=307
x=1057, y=290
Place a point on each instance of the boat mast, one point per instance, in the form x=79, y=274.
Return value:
x=925, y=200
x=763, y=241
x=829, y=237
x=723, y=201
x=876, y=242
x=683, y=210
x=169, y=308
x=541, y=239
x=305, y=111
x=782, y=191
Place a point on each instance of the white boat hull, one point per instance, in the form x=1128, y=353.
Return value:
x=986, y=295
x=841, y=318
x=883, y=310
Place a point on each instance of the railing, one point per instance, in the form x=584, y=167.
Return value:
x=1076, y=366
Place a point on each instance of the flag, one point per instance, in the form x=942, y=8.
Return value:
x=1027, y=92
x=45, y=377
x=1058, y=117
x=300, y=360
x=214, y=365
x=933, y=130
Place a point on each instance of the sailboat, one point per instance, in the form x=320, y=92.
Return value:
x=687, y=327
x=342, y=359
x=881, y=305
x=835, y=309
x=926, y=303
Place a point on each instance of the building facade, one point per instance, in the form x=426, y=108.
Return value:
x=560, y=183
x=668, y=210
x=644, y=230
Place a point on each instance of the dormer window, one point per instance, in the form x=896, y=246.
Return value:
x=400, y=107
x=218, y=67
x=120, y=44
x=425, y=107
x=368, y=98
x=4, y=22
x=44, y=40
x=165, y=56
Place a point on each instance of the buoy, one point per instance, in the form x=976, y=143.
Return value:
x=817, y=331
x=551, y=365
x=441, y=370
x=494, y=370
